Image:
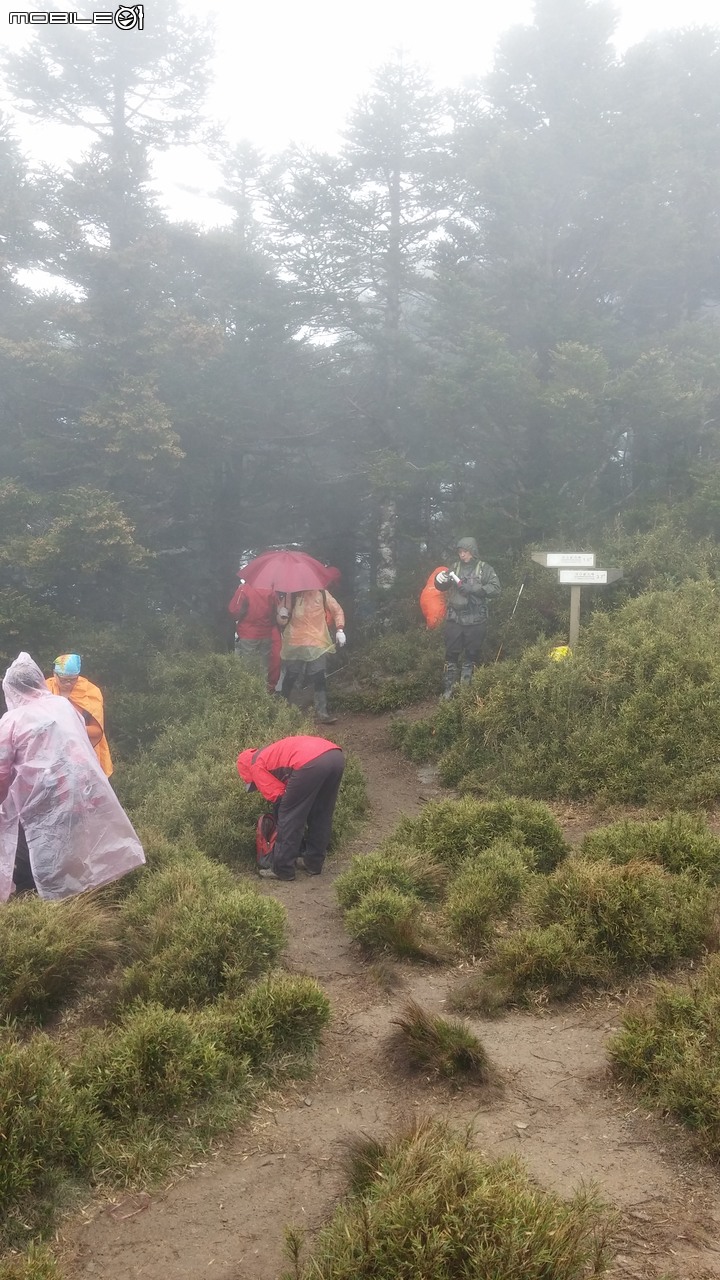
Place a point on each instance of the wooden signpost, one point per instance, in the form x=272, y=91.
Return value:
x=576, y=569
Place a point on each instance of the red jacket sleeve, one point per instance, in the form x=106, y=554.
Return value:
x=239, y=604
x=267, y=784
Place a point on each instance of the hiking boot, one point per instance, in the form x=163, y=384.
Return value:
x=321, y=708
x=451, y=675
x=266, y=873
x=302, y=865
x=466, y=674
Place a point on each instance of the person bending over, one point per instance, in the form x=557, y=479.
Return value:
x=301, y=777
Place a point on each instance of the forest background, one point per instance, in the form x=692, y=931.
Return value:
x=493, y=311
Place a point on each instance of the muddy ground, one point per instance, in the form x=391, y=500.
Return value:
x=556, y=1105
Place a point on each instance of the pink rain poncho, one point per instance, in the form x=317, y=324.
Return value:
x=78, y=834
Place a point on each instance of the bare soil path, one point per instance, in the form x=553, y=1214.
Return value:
x=557, y=1107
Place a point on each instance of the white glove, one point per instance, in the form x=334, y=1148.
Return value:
x=340, y=637
x=453, y=577
x=443, y=577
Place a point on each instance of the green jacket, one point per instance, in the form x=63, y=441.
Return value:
x=467, y=603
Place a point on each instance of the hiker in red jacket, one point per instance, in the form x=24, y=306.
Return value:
x=301, y=776
x=257, y=636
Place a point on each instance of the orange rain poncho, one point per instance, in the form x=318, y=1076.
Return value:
x=306, y=637
x=86, y=697
x=78, y=835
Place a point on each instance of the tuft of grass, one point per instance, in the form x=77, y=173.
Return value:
x=37, y=1263
x=481, y=994
x=594, y=923
x=48, y=1136
x=555, y=961
x=682, y=842
x=387, y=920
x=393, y=868
x=386, y=974
x=669, y=1051
x=428, y=1205
x=443, y=1046
x=155, y=1063
x=362, y=1159
x=637, y=914
x=196, y=935
x=46, y=951
x=448, y=831
x=276, y=1024
x=485, y=890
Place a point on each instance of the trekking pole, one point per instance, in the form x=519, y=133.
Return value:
x=512, y=615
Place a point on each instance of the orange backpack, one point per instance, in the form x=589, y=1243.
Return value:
x=432, y=601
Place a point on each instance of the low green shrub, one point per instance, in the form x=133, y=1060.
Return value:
x=48, y=1135
x=594, y=923
x=555, y=960
x=280, y=1018
x=408, y=872
x=170, y=689
x=638, y=914
x=426, y=1204
x=682, y=842
x=670, y=1052
x=386, y=920
x=47, y=950
x=390, y=672
x=633, y=718
x=448, y=831
x=445, y=1047
x=155, y=1063
x=196, y=934
x=485, y=889
x=423, y=740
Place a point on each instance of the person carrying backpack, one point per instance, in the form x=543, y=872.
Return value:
x=306, y=642
x=469, y=584
x=301, y=777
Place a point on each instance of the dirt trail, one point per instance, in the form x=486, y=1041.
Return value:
x=557, y=1107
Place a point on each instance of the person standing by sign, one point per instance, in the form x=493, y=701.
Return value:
x=469, y=584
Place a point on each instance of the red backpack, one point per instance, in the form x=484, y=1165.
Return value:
x=265, y=837
x=432, y=601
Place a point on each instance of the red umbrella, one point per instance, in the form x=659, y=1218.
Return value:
x=288, y=571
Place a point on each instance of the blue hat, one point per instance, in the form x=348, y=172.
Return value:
x=68, y=664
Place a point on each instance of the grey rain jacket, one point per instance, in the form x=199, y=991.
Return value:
x=468, y=602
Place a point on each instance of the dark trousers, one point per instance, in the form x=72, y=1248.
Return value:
x=22, y=875
x=459, y=636
x=309, y=801
x=302, y=672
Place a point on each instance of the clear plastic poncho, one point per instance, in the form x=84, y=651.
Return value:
x=78, y=834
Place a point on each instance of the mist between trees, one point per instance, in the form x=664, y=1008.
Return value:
x=494, y=311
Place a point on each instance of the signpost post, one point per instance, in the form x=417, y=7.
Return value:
x=576, y=569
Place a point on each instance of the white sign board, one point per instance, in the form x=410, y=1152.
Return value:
x=585, y=577
x=571, y=559
x=565, y=559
